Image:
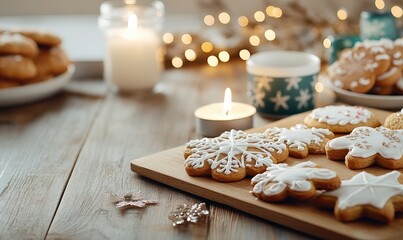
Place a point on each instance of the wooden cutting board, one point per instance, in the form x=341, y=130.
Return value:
x=167, y=167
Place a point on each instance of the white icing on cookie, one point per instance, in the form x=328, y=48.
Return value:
x=364, y=142
x=397, y=54
x=382, y=57
x=233, y=143
x=364, y=81
x=371, y=66
x=296, y=178
x=398, y=62
x=365, y=188
x=353, y=84
x=387, y=74
x=338, y=83
x=299, y=136
x=341, y=115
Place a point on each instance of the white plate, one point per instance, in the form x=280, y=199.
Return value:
x=369, y=100
x=36, y=91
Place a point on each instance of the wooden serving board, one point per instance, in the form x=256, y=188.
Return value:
x=167, y=167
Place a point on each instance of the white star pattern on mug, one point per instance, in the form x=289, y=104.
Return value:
x=303, y=98
x=293, y=82
x=280, y=101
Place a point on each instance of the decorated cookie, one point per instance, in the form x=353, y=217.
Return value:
x=43, y=39
x=366, y=146
x=341, y=119
x=300, y=139
x=366, y=195
x=16, y=44
x=16, y=67
x=394, y=50
x=358, y=68
x=232, y=155
x=395, y=121
x=300, y=181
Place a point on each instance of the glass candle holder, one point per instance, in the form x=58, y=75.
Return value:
x=133, y=58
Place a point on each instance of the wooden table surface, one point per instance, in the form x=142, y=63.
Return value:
x=63, y=159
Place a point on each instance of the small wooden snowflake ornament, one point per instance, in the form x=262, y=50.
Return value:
x=366, y=146
x=299, y=181
x=232, y=155
x=301, y=140
x=366, y=195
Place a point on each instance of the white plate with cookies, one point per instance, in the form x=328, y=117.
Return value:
x=35, y=91
x=369, y=100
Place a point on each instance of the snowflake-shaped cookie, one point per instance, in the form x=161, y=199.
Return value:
x=367, y=195
x=299, y=181
x=366, y=146
x=300, y=139
x=357, y=68
x=232, y=155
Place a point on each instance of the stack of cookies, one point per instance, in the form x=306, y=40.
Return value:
x=371, y=66
x=28, y=57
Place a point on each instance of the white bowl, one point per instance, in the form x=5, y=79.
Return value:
x=369, y=100
x=36, y=91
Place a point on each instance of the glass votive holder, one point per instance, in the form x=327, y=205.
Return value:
x=133, y=56
x=376, y=25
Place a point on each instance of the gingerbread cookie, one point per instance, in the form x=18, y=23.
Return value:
x=16, y=44
x=357, y=68
x=300, y=181
x=366, y=146
x=232, y=155
x=395, y=121
x=17, y=67
x=53, y=61
x=300, y=139
x=341, y=119
x=42, y=38
x=366, y=195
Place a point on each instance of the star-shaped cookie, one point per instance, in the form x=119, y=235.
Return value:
x=300, y=139
x=366, y=146
x=299, y=181
x=366, y=195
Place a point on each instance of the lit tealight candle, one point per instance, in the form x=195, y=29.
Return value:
x=216, y=118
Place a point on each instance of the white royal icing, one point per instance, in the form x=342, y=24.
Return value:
x=365, y=188
x=387, y=74
x=230, y=144
x=341, y=115
x=382, y=57
x=298, y=136
x=338, y=83
x=371, y=66
x=295, y=177
x=353, y=84
x=364, y=81
x=366, y=141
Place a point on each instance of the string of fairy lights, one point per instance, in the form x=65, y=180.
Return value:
x=192, y=48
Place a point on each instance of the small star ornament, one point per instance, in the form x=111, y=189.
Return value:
x=184, y=214
x=133, y=200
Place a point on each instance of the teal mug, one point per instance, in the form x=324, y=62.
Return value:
x=282, y=83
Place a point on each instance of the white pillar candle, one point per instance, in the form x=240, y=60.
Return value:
x=132, y=60
x=214, y=119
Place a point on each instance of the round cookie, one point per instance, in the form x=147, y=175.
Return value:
x=232, y=156
x=341, y=119
x=378, y=90
x=53, y=61
x=357, y=68
x=395, y=121
x=301, y=140
x=42, y=38
x=16, y=44
x=17, y=67
x=300, y=181
x=366, y=146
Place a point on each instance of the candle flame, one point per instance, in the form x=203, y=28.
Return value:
x=132, y=22
x=227, y=101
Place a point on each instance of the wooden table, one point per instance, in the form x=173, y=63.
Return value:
x=63, y=159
